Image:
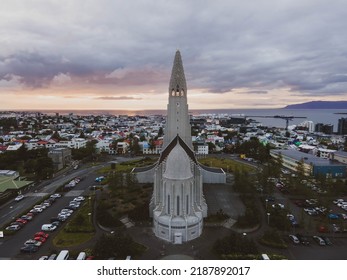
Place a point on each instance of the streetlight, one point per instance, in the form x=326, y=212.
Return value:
x=266, y=201
x=268, y=218
x=90, y=217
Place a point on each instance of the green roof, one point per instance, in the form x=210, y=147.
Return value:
x=10, y=183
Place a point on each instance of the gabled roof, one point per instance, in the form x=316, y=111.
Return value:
x=170, y=147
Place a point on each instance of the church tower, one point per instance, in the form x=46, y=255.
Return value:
x=178, y=122
x=177, y=205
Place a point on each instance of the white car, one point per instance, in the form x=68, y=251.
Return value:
x=343, y=216
x=294, y=239
x=19, y=198
x=66, y=211
x=36, y=210
x=40, y=207
x=278, y=206
x=338, y=201
x=79, y=198
x=319, y=240
x=64, y=214
x=56, y=195
x=13, y=227
x=33, y=242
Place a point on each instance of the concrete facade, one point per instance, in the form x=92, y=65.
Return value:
x=60, y=157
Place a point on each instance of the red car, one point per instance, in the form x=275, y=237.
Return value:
x=22, y=221
x=41, y=234
x=39, y=238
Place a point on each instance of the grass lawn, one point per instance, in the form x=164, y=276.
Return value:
x=226, y=164
x=78, y=229
x=129, y=165
x=67, y=239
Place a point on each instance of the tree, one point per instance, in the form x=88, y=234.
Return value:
x=152, y=144
x=211, y=147
x=118, y=245
x=134, y=147
x=56, y=135
x=160, y=132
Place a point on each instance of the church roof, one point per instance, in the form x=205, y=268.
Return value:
x=178, y=164
x=178, y=79
x=172, y=144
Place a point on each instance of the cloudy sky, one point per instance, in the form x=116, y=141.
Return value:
x=114, y=54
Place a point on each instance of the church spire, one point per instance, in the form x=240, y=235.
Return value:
x=178, y=86
x=178, y=121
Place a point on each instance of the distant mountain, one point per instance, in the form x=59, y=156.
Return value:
x=319, y=105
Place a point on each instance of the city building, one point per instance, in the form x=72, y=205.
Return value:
x=342, y=126
x=60, y=157
x=339, y=156
x=312, y=165
x=324, y=128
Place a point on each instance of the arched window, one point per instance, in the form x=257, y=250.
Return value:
x=168, y=204
x=182, y=92
x=173, y=92
x=178, y=205
x=187, y=210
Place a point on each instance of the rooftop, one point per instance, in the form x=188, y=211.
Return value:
x=7, y=183
x=308, y=158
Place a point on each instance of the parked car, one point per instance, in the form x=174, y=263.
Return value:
x=36, y=210
x=79, y=198
x=13, y=227
x=19, y=198
x=55, y=195
x=41, y=234
x=343, y=216
x=335, y=228
x=336, y=201
x=52, y=257
x=326, y=240
x=40, y=239
x=48, y=227
x=33, y=242
x=29, y=249
x=73, y=206
x=27, y=217
x=319, y=240
x=333, y=216
x=323, y=229
x=56, y=223
x=303, y=239
x=22, y=221
x=294, y=239
x=277, y=206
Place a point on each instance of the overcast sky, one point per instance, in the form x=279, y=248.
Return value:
x=114, y=54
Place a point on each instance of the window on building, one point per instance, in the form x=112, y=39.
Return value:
x=168, y=204
x=178, y=205
x=187, y=210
